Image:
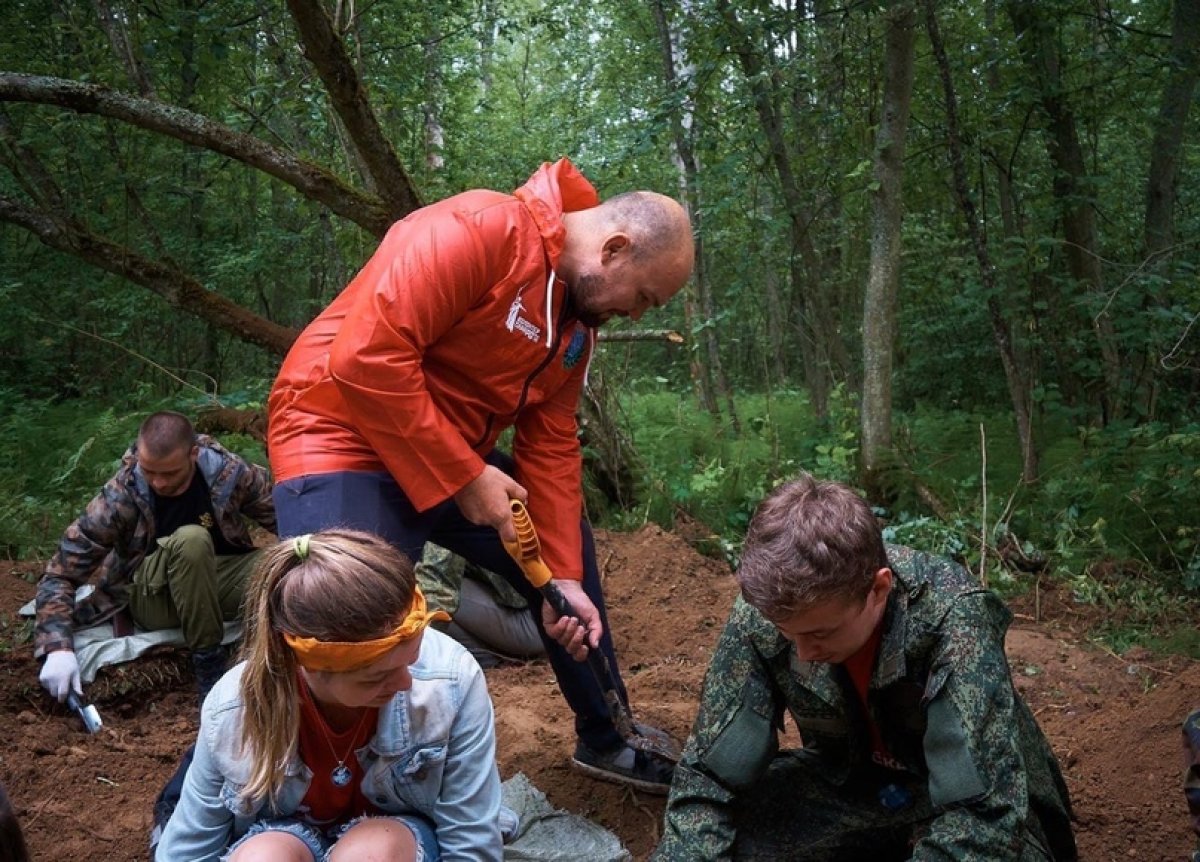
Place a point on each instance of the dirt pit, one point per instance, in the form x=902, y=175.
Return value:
x=1113, y=720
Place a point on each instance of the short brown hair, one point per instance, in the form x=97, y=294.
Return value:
x=165, y=433
x=809, y=540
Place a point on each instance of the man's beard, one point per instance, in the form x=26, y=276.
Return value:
x=585, y=288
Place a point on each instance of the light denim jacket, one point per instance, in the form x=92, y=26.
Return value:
x=433, y=753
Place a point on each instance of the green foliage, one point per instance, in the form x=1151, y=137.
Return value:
x=59, y=455
x=1111, y=518
x=929, y=534
x=1138, y=610
x=836, y=457
x=15, y=633
x=694, y=464
x=784, y=220
x=1180, y=638
x=504, y=96
x=1124, y=490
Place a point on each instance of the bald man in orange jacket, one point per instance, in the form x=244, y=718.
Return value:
x=477, y=314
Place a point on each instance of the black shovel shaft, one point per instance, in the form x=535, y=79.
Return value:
x=598, y=662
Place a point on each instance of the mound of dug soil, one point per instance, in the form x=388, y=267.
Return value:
x=1113, y=720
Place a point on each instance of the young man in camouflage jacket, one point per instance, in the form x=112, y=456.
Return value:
x=891, y=663
x=167, y=536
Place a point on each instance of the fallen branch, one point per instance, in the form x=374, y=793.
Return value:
x=668, y=335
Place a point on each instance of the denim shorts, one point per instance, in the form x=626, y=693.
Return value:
x=320, y=842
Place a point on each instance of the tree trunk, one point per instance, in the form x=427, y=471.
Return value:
x=487, y=48
x=804, y=266
x=707, y=372
x=431, y=112
x=190, y=181
x=325, y=50
x=826, y=52
x=1014, y=375
x=113, y=25
x=1162, y=181
x=883, y=281
x=609, y=455
x=776, y=359
x=1183, y=69
x=1071, y=188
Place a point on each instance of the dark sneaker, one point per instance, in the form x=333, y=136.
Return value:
x=625, y=765
x=209, y=665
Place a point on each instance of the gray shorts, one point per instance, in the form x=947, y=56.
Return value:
x=320, y=843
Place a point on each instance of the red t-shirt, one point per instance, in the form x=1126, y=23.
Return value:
x=327, y=804
x=860, y=666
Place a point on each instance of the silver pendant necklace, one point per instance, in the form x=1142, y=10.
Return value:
x=341, y=775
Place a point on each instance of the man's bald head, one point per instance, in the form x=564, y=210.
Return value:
x=629, y=254
x=657, y=224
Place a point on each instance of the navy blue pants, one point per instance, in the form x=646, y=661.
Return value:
x=375, y=503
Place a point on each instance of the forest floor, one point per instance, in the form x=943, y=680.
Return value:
x=1113, y=720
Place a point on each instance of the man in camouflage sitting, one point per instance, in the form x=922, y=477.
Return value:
x=891, y=663
x=490, y=618
x=168, y=537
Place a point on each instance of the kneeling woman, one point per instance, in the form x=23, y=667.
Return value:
x=348, y=731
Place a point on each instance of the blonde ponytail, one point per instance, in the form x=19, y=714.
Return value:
x=335, y=585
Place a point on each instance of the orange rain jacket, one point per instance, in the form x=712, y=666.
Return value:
x=456, y=329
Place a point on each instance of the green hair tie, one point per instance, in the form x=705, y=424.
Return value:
x=300, y=546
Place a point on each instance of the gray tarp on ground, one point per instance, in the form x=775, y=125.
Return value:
x=95, y=647
x=550, y=835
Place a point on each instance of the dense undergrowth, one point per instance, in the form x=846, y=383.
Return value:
x=1111, y=518
x=60, y=454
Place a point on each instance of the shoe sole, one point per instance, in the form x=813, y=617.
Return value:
x=617, y=778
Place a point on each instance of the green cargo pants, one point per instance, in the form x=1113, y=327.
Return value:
x=184, y=584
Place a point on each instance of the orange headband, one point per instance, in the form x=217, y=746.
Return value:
x=342, y=656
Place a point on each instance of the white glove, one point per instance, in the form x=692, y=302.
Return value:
x=60, y=674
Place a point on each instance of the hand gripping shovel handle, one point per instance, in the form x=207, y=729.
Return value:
x=528, y=554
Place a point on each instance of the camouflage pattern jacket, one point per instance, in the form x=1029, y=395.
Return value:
x=941, y=694
x=440, y=575
x=115, y=532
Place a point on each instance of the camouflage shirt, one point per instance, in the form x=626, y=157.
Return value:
x=941, y=695
x=115, y=532
x=440, y=576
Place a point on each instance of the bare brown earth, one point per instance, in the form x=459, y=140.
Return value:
x=1113, y=720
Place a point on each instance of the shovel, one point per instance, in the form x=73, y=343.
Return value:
x=526, y=550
